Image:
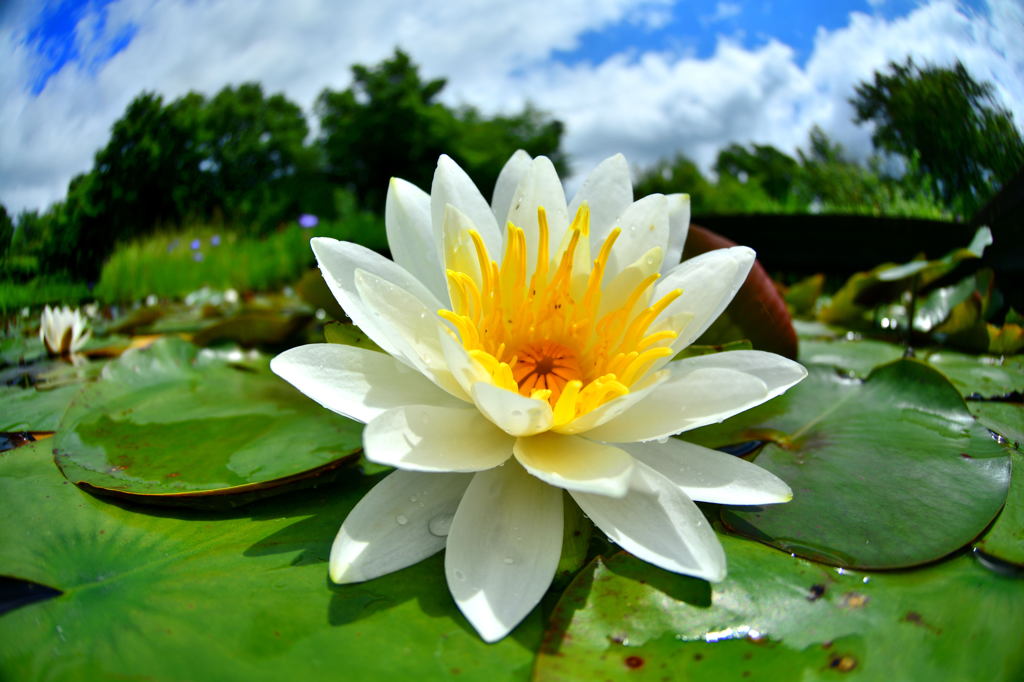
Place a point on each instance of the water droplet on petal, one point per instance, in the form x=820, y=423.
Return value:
x=439, y=525
x=401, y=520
x=509, y=560
x=413, y=498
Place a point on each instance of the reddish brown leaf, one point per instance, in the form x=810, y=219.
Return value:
x=758, y=310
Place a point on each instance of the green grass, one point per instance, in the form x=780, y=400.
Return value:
x=47, y=289
x=172, y=265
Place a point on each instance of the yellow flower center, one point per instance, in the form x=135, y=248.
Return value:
x=560, y=336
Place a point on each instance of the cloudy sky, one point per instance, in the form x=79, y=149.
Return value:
x=643, y=77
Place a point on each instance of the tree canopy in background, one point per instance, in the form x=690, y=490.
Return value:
x=763, y=179
x=389, y=123
x=947, y=126
x=245, y=160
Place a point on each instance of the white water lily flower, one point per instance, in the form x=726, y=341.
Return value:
x=529, y=351
x=63, y=330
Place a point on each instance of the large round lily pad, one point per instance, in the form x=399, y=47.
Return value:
x=173, y=425
x=779, y=618
x=886, y=473
x=233, y=596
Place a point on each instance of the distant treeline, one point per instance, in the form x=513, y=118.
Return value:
x=245, y=160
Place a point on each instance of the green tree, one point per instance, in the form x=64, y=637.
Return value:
x=777, y=173
x=6, y=232
x=836, y=184
x=483, y=145
x=960, y=140
x=726, y=196
x=253, y=150
x=389, y=123
x=148, y=173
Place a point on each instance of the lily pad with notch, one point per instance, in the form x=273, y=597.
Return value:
x=171, y=425
x=889, y=472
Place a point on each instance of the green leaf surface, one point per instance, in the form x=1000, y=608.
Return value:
x=253, y=327
x=779, y=618
x=886, y=473
x=983, y=375
x=167, y=421
x=859, y=356
x=348, y=334
x=1005, y=419
x=190, y=595
x=29, y=409
x=1005, y=539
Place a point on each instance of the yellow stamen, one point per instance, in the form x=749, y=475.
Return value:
x=540, y=333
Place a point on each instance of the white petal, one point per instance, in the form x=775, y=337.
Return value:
x=426, y=438
x=339, y=261
x=703, y=390
x=608, y=190
x=356, y=382
x=412, y=326
x=644, y=226
x=777, y=372
x=508, y=180
x=539, y=187
x=399, y=522
x=658, y=523
x=452, y=186
x=708, y=282
x=514, y=414
x=503, y=548
x=411, y=235
x=678, y=226
x=709, y=475
x=576, y=463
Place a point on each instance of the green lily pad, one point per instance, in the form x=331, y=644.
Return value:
x=29, y=409
x=779, y=618
x=1005, y=419
x=1005, y=539
x=813, y=329
x=859, y=356
x=983, y=375
x=235, y=596
x=172, y=424
x=886, y=473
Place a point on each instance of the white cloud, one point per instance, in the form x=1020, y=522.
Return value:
x=645, y=104
x=723, y=11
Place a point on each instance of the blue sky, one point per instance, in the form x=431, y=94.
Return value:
x=644, y=77
x=51, y=34
x=696, y=27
